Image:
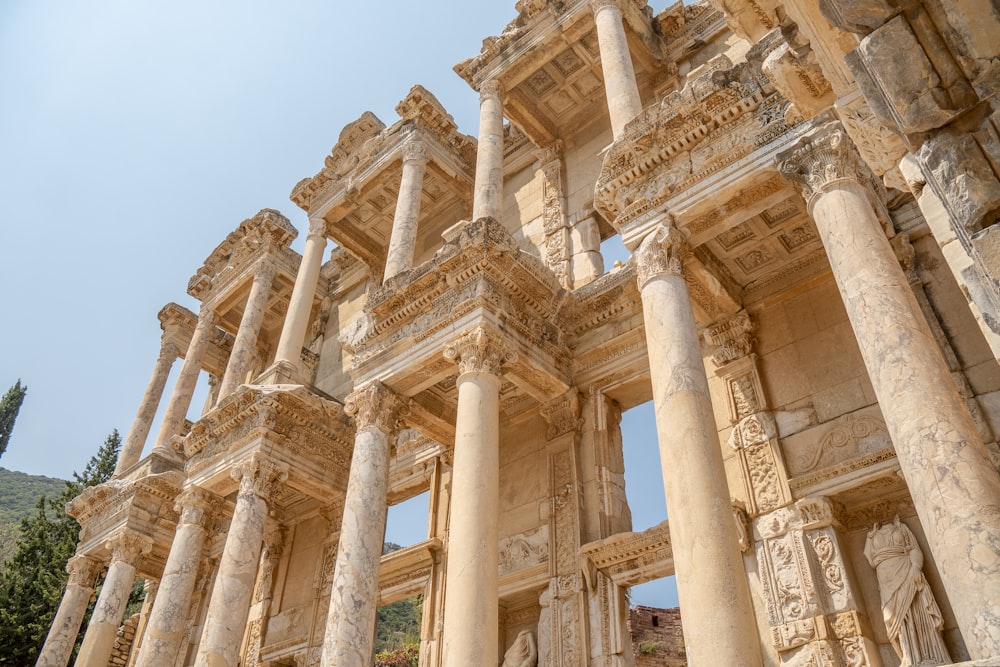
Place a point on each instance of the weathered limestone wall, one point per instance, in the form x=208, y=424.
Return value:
x=524, y=482
x=657, y=637
x=332, y=376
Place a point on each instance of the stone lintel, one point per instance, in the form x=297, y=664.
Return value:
x=630, y=559
x=405, y=572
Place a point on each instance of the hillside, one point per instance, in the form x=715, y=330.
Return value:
x=19, y=494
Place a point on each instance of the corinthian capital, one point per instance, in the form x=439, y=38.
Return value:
x=415, y=151
x=259, y=476
x=661, y=253
x=82, y=571
x=490, y=88
x=317, y=227
x=597, y=5
x=824, y=156
x=129, y=547
x=376, y=406
x=480, y=351
x=196, y=505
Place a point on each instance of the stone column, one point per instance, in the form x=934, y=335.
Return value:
x=66, y=625
x=245, y=346
x=293, y=333
x=619, y=77
x=350, y=624
x=471, y=595
x=187, y=379
x=126, y=551
x=404, y=223
x=229, y=605
x=487, y=197
x=714, y=597
x=132, y=449
x=942, y=457
x=168, y=617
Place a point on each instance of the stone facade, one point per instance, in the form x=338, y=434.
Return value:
x=811, y=305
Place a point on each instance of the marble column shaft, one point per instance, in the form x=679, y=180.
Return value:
x=619, y=76
x=487, y=197
x=245, y=345
x=293, y=333
x=403, y=240
x=132, y=449
x=229, y=605
x=187, y=379
x=350, y=627
x=718, y=617
x=99, y=639
x=471, y=616
x=66, y=625
x=167, y=624
x=954, y=488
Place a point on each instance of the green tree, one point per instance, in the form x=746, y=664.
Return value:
x=32, y=582
x=10, y=405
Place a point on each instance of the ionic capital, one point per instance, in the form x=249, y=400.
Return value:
x=82, y=571
x=415, y=151
x=733, y=338
x=259, y=476
x=196, y=505
x=317, y=227
x=823, y=157
x=490, y=88
x=376, y=406
x=129, y=547
x=661, y=253
x=480, y=351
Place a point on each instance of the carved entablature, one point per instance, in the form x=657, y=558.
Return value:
x=630, y=559
x=723, y=113
x=178, y=324
x=293, y=424
x=478, y=277
x=267, y=234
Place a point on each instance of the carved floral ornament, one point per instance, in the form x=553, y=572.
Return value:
x=823, y=157
x=129, y=547
x=259, y=476
x=82, y=570
x=480, y=351
x=662, y=252
x=376, y=406
x=415, y=151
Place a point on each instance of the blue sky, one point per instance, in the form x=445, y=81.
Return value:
x=135, y=135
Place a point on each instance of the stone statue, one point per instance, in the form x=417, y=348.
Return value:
x=522, y=652
x=912, y=617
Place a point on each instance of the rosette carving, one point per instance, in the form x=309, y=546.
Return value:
x=480, y=351
x=377, y=406
x=662, y=252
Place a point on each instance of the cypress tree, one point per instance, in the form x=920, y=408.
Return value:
x=10, y=405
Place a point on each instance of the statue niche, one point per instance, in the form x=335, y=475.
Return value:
x=912, y=617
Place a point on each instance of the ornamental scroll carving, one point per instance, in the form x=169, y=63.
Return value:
x=480, y=351
x=562, y=415
x=732, y=339
x=661, y=253
x=377, y=406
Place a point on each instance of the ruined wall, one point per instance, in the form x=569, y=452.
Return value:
x=657, y=638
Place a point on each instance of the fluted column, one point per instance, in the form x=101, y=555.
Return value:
x=66, y=625
x=245, y=346
x=132, y=449
x=167, y=622
x=229, y=605
x=126, y=551
x=293, y=333
x=487, y=196
x=940, y=452
x=470, y=603
x=187, y=379
x=619, y=76
x=403, y=239
x=716, y=612
x=350, y=624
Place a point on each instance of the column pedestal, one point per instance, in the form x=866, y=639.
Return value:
x=66, y=625
x=954, y=488
x=350, y=626
x=716, y=611
x=126, y=550
x=168, y=617
x=229, y=605
x=471, y=597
